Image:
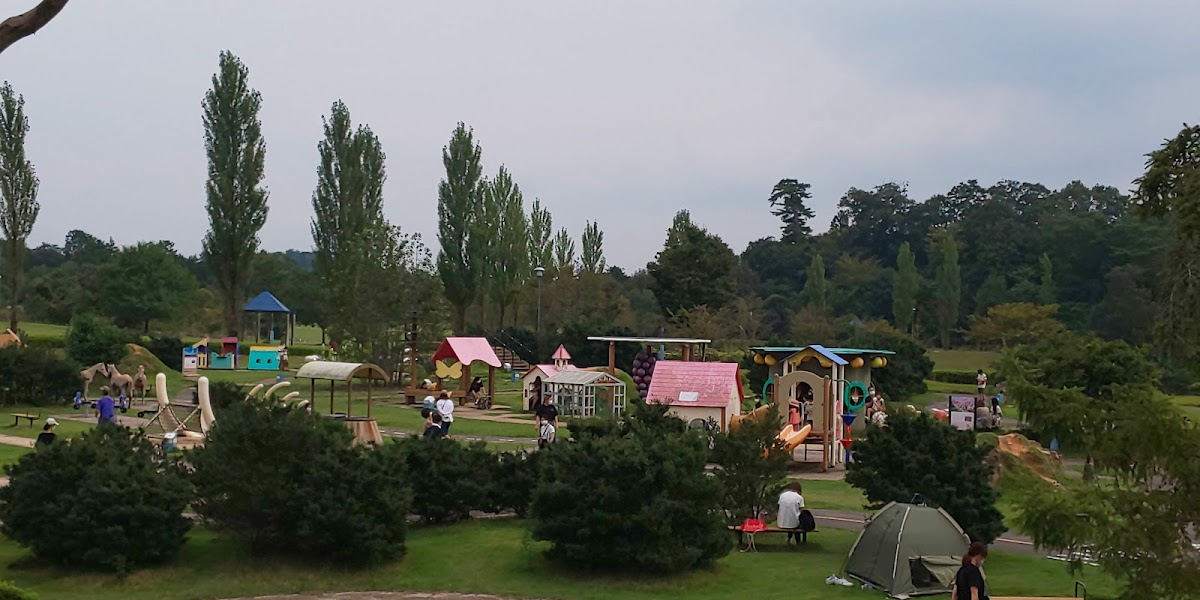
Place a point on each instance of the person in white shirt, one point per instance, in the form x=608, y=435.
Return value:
x=445, y=407
x=980, y=381
x=790, y=505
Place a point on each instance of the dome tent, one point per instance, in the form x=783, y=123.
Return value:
x=908, y=550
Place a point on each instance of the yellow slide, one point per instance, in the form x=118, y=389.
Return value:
x=792, y=438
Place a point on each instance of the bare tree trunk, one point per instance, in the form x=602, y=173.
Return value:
x=28, y=23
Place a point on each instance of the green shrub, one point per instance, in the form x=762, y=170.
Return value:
x=289, y=482
x=514, y=477
x=36, y=376
x=454, y=478
x=9, y=591
x=104, y=499
x=168, y=349
x=962, y=377
x=632, y=496
x=223, y=394
x=91, y=340
x=748, y=482
x=914, y=455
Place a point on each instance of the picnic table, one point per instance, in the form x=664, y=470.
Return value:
x=27, y=416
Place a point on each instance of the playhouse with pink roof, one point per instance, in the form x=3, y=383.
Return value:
x=698, y=391
x=533, y=379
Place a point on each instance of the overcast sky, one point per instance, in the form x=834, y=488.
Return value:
x=616, y=111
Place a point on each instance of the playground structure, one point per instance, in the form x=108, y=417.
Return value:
x=699, y=392
x=192, y=428
x=687, y=350
x=121, y=384
x=266, y=358
x=195, y=357
x=226, y=358
x=831, y=381
x=266, y=303
x=453, y=360
x=89, y=374
x=365, y=429
x=578, y=392
x=10, y=338
x=533, y=379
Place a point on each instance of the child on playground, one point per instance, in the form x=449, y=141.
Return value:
x=794, y=414
x=433, y=425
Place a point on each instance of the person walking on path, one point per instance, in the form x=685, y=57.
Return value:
x=968, y=582
x=47, y=436
x=105, y=408
x=445, y=407
x=547, y=422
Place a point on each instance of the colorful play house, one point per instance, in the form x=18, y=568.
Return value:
x=226, y=359
x=195, y=357
x=698, y=392
x=834, y=379
x=265, y=358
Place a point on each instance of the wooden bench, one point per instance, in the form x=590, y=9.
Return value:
x=28, y=417
x=803, y=533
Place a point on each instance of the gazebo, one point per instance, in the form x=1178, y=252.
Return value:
x=457, y=354
x=267, y=303
x=575, y=391
x=365, y=428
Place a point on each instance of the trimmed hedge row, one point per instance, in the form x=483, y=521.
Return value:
x=963, y=377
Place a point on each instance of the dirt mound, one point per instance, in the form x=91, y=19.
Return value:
x=1015, y=451
x=137, y=356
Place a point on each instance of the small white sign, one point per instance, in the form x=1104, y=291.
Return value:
x=689, y=396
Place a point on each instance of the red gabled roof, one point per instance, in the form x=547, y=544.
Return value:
x=561, y=353
x=710, y=380
x=467, y=350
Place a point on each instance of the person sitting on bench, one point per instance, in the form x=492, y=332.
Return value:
x=474, y=392
x=791, y=503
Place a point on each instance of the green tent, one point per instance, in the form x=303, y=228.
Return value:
x=908, y=550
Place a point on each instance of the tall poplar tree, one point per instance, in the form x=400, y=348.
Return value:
x=905, y=288
x=458, y=205
x=1047, y=292
x=564, y=253
x=236, y=200
x=592, y=242
x=510, y=253
x=816, y=289
x=541, y=228
x=947, y=289
x=348, y=221
x=18, y=194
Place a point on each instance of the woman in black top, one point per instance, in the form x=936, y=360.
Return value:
x=46, y=437
x=968, y=582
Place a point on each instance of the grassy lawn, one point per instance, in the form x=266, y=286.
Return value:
x=408, y=418
x=43, y=331
x=498, y=557
x=833, y=494
x=963, y=360
x=10, y=454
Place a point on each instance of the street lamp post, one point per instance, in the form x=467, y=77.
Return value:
x=539, y=272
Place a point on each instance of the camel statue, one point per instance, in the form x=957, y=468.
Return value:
x=139, y=383
x=119, y=382
x=89, y=374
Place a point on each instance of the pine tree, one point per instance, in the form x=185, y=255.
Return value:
x=564, y=253
x=510, y=254
x=236, y=201
x=905, y=288
x=816, y=290
x=458, y=205
x=788, y=199
x=592, y=259
x=947, y=288
x=18, y=194
x=348, y=214
x=541, y=227
x=993, y=291
x=1047, y=292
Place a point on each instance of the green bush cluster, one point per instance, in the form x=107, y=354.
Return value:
x=168, y=349
x=36, y=376
x=288, y=482
x=456, y=479
x=105, y=499
x=631, y=496
x=92, y=339
x=9, y=591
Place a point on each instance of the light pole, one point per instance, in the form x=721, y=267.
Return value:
x=539, y=272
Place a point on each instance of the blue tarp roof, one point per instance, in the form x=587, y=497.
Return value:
x=266, y=302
